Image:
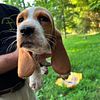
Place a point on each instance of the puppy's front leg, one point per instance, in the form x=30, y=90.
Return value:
x=35, y=80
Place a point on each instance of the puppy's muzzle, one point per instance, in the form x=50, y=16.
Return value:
x=27, y=30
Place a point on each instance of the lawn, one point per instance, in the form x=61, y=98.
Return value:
x=84, y=54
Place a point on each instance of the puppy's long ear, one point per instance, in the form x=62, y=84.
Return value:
x=60, y=61
x=26, y=63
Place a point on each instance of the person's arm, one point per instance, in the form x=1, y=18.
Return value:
x=8, y=62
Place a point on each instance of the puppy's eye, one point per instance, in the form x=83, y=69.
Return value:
x=43, y=19
x=20, y=20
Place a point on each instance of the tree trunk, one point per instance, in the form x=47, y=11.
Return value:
x=63, y=18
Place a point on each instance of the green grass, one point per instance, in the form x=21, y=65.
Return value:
x=84, y=54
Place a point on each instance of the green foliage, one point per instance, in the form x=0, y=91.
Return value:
x=95, y=5
x=84, y=54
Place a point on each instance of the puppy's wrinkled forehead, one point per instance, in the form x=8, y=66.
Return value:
x=34, y=13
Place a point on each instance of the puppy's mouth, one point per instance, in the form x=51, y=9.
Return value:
x=33, y=47
x=27, y=44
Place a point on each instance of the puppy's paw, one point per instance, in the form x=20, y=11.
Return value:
x=35, y=85
x=35, y=82
x=64, y=76
x=44, y=70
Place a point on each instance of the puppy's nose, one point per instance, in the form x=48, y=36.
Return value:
x=27, y=30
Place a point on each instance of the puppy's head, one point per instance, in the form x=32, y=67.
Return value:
x=36, y=32
x=34, y=29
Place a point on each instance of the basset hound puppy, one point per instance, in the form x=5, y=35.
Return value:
x=38, y=39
